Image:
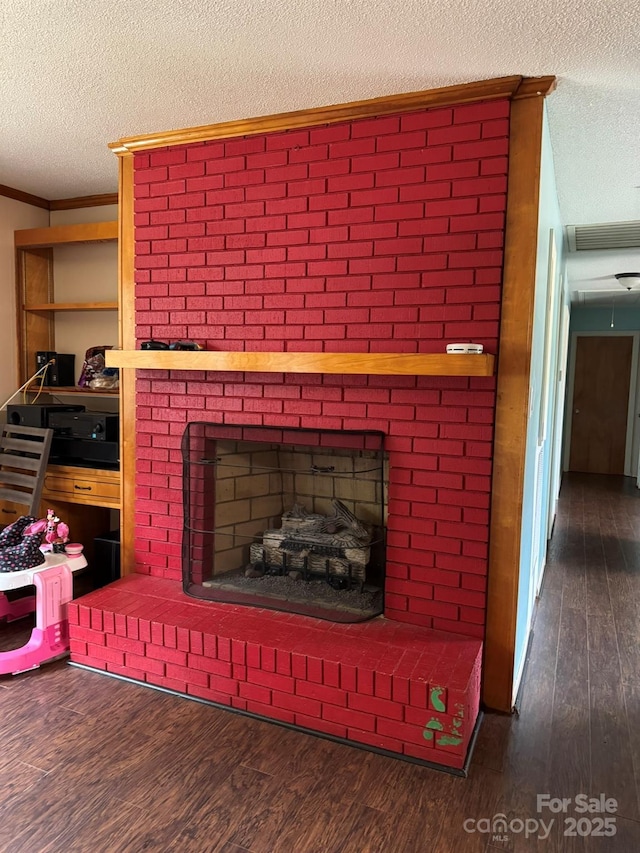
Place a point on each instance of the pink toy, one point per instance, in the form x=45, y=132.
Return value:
x=57, y=532
x=54, y=590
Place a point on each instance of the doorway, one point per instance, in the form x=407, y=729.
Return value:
x=601, y=414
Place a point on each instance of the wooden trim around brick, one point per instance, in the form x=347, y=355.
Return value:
x=126, y=298
x=484, y=90
x=512, y=408
x=534, y=87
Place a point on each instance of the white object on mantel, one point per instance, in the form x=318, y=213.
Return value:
x=470, y=349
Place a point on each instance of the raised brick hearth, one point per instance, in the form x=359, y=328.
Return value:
x=409, y=691
x=377, y=235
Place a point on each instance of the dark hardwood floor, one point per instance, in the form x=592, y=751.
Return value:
x=97, y=765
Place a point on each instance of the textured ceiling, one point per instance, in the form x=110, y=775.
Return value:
x=77, y=74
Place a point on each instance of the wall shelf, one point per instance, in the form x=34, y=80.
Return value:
x=394, y=364
x=57, y=235
x=71, y=306
x=53, y=390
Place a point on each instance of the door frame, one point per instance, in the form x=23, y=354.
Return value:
x=630, y=463
x=557, y=437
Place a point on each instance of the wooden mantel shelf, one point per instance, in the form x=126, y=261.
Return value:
x=389, y=363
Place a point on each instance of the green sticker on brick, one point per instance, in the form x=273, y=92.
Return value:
x=432, y=725
x=449, y=740
x=436, y=701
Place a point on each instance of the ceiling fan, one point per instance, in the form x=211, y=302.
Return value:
x=630, y=281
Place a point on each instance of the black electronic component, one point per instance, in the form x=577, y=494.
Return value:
x=106, y=560
x=84, y=453
x=37, y=414
x=60, y=371
x=185, y=345
x=153, y=345
x=93, y=426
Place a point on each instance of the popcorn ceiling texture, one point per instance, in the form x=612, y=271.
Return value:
x=76, y=75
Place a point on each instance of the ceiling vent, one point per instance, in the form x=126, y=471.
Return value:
x=608, y=235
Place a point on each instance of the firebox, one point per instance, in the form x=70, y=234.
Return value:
x=287, y=519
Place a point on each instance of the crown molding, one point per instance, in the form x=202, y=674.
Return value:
x=484, y=90
x=27, y=198
x=83, y=201
x=59, y=203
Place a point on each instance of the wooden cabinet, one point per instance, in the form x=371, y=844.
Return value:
x=44, y=314
x=81, y=497
x=9, y=512
x=88, y=486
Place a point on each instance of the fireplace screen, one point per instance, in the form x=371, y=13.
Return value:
x=286, y=519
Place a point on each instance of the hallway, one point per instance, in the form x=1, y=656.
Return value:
x=94, y=763
x=578, y=729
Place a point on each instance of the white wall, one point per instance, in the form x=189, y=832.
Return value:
x=100, y=213
x=14, y=215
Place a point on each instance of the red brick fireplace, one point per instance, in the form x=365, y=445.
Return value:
x=381, y=235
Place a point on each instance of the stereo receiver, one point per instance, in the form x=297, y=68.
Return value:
x=95, y=426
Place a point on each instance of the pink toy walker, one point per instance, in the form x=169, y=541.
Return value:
x=54, y=590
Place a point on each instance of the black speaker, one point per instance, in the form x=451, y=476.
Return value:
x=106, y=561
x=61, y=371
x=36, y=415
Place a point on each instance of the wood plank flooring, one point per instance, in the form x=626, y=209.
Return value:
x=97, y=765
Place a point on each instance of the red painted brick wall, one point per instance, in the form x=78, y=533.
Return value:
x=380, y=235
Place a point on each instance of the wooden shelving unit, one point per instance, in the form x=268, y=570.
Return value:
x=396, y=364
x=36, y=295
x=82, y=497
